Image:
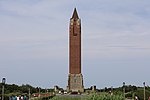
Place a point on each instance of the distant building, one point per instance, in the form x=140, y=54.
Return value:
x=57, y=89
x=75, y=78
x=93, y=88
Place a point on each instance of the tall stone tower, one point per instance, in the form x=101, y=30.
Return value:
x=75, y=78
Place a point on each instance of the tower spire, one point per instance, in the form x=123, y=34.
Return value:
x=75, y=14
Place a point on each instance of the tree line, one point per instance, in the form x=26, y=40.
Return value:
x=13, y=89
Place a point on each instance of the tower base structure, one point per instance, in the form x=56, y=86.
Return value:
x=75, y=83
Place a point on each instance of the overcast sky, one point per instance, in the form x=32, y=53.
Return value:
x=115, y=41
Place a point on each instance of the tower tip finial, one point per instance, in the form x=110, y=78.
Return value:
x=75, y=14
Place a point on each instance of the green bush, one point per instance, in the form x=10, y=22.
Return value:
x=140, y=94
x=105, y=97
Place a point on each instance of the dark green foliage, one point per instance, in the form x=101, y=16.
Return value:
x=129, y=94
x=130, y=88
x=12, y=89
x=140, y=94
x=18, y=89
x=105, y=97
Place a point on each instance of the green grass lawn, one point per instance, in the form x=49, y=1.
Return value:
x=90, y=97
x=67, y=98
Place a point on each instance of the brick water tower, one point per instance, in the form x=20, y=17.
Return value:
x=75, y=78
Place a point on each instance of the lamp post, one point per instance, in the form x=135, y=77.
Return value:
x=39, y=93
x=111, y=92
x=29, y=94
x=124, y=90
x=144, y=89
x=3, y=83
